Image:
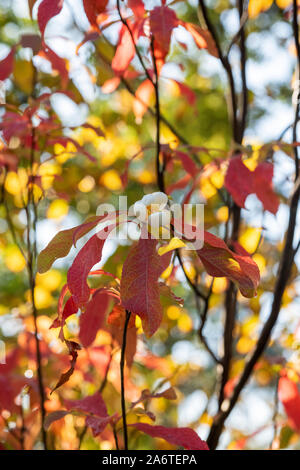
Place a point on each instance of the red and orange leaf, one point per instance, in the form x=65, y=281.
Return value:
x=289, y=396
x=142, y=99
x=125, y=52
x=138, y=8
x=54, y=416
x=183, y=437
x=202, y=37
x=46, y=11
x=140, y=291
x=220, y=261
x=93, y=8
x=93, y=404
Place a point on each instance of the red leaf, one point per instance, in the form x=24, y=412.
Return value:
x=239, y=181
x=162, y=22
x=220, y=261
x=93, y=8
x=70, y=308
x=188, y=164
x=93, y=404
x=87, y=257
x=54, y=416
x=73, y=347
x=93, y=317
x=139, y=286
x=183, y=437
x=125, y=52
x=48, y=9
x=138, y=8
x=290, y=397
x=98, y=424
x=142, y=99
x=6, y=65
x=262, y=181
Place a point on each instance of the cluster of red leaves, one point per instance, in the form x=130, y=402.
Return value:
x=241, y=182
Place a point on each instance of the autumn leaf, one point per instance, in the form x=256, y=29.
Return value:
x=61, y=244
x=239, y=180
x=202, y=37
x=73, y=348
x=93, y=317
x=89, y=255
x=289, y=396
x=93, y=8
x=47, y=9
x=6, y=65
x=262, y=182
x=93, y=404
x=139, y=286
x=142, y=99
x=125, y=51
x=183, y=437
x=58, y=64
x=162, y=22
x=54, y=416
x=138, y=8
x=220, y=261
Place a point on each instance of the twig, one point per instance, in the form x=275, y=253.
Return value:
x=159, y=170
x=122, y=363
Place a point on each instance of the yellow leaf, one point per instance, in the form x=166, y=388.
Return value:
x=185, y=323
x=111, y=180
x=173, y=312
x=244, y=345
x=172, y=245
x=50, y=280
x=43, y=298
x=250, y=239
x=86, y=184
x=57, y=209
x=222, y=214
x=258, y=6
x=283, y=3
x=14, y=259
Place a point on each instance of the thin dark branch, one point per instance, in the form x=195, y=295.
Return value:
x=296, y=39
x=159, y=169
x=122, y=364
x=203, y=317
x=227, y=67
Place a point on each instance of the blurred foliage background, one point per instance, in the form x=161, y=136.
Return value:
x=69, y=187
